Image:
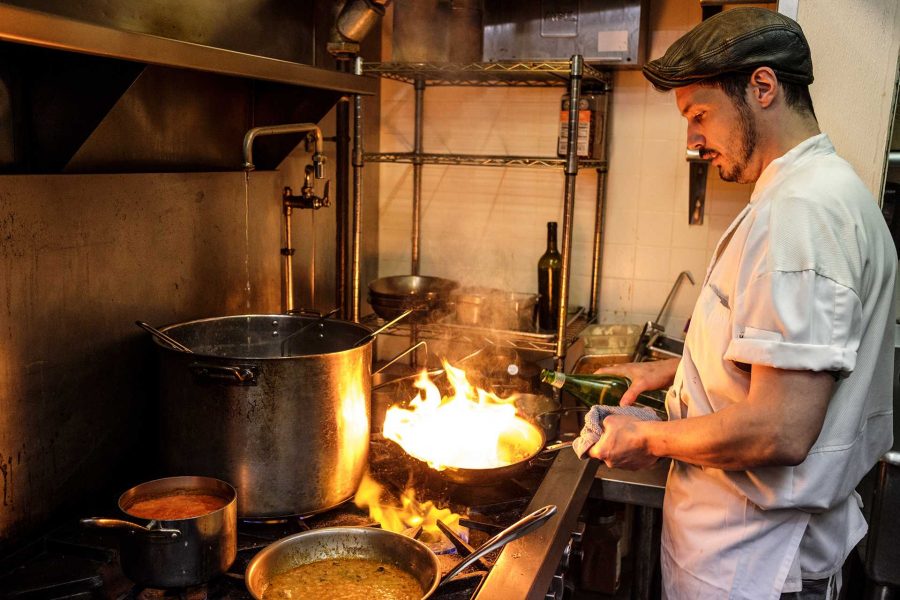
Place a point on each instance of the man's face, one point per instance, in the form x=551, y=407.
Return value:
x=720, y=128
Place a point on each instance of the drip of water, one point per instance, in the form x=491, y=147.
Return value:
x=247, y=233
x=312, y=264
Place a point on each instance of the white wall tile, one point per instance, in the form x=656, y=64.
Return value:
x=651, y=263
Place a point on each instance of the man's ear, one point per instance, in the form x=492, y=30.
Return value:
x=763, y=86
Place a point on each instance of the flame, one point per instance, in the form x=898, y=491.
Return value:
x=411, y=514
x=472, y=429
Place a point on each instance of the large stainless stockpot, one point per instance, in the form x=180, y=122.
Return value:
x=285, y=422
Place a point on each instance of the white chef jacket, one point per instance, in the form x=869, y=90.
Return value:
x=803, y=279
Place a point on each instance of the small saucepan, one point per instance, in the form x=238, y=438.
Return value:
x=193, y=540
x=379, y=545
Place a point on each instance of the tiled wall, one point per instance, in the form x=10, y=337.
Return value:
x=487, y=225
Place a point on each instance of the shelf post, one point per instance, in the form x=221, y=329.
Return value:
x=571, y=173
x=356, y=210
x=417, y=176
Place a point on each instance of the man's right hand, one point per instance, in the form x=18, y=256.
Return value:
x=652, y=375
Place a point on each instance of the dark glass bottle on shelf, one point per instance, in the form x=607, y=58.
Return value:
x=549, y=269
x=604, y=389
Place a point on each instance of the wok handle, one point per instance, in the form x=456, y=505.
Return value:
x=234, y=375
x=133, y=528
x=555, y=447
x=518, y=529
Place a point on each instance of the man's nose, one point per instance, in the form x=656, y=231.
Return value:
x=695, y=141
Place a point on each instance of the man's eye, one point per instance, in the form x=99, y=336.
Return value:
x=698, y=117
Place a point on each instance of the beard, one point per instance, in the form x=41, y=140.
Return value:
x=745, y=137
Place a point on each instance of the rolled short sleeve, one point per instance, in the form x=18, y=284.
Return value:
x=796, y=320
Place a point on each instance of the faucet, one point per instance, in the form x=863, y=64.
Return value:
x=654, y=329
x=306, y=199
x=318, y=157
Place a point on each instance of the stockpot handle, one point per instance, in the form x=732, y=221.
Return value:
x=518, y=529
x=161, y=535
x=225, y=374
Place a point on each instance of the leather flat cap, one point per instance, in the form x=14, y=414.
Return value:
x=738, y=40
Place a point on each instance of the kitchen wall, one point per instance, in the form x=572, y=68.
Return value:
x=856, y=68
x=487, y=226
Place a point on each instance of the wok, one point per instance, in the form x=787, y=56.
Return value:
x=410, y=555
x=427, y=296
x=492, y=475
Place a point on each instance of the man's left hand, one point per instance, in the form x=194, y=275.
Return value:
x=622, y=446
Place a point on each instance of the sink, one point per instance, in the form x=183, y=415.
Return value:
x=667, y=347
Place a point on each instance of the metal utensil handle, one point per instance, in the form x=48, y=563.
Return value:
x=421, y=344
x=162, y=336
x=162, y=534
x=390, y=323
x=316, y=321
x=521, y=527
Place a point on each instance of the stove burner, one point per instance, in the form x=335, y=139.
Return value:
x=78, y=564
x=198, y=592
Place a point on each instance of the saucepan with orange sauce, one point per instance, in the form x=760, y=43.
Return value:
x=184, y=531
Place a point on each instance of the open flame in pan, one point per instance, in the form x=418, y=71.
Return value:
x=470, y=429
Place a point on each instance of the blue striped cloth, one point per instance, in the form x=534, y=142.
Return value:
x=593, y=423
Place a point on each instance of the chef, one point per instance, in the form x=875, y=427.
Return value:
x=782, y=400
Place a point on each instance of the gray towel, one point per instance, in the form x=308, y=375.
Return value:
x=593, y=423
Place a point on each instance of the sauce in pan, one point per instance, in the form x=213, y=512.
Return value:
x=180, y=505
x=344, y=579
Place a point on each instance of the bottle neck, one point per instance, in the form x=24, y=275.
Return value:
x=551, y=237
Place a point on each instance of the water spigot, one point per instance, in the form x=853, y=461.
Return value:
x=318, y=163
x=307, y=197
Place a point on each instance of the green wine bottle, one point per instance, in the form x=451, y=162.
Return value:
x=604, y=389
x=548, y=271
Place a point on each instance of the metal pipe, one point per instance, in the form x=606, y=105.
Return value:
x=571, y=172
x=318, y=159
x=287, y=254
x=318, y=156
x=600, y=211
x=342, y=196
x=599, y=230
x=356, y=211
x=417, y=176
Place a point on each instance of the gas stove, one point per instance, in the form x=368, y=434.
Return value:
x=80, y=564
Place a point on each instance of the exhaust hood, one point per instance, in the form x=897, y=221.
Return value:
x=160, y=85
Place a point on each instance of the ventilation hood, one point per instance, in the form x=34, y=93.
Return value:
x=160, y=85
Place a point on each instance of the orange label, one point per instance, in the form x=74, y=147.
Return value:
x=584, y=116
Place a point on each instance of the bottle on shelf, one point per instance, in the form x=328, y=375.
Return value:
x=604, y=389
x=590, y=138
x=549, y=269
